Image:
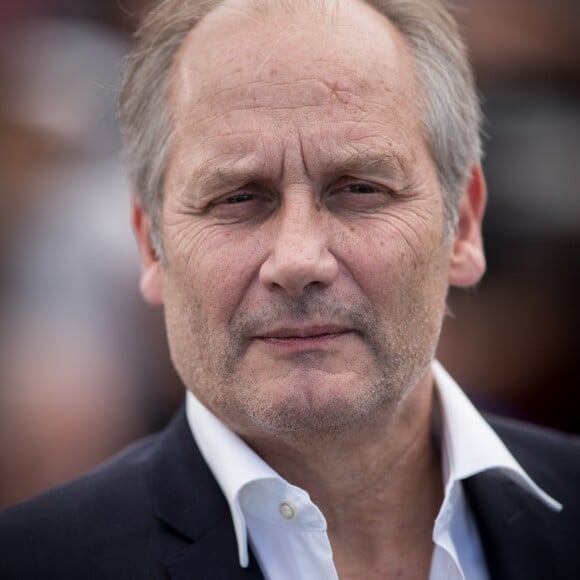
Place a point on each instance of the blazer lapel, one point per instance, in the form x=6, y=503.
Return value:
x=212, y=557
x=516, y=529
x=192, y=508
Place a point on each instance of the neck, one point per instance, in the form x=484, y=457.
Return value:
x=378, y=484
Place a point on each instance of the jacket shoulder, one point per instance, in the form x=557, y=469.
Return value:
x=540, y=450
x=522, y=433
x=78, y=529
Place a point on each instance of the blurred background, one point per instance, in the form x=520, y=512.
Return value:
x=84, y=368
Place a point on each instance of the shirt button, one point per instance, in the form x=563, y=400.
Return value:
x=287, y=510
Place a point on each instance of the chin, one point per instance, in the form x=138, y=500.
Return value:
x=323, y=407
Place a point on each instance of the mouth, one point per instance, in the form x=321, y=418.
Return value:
x=303, y=337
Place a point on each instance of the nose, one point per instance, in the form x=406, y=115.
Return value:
x=299, y=255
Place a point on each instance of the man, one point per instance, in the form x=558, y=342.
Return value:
x=307, y=186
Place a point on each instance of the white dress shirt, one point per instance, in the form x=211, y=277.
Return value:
x=288, y=532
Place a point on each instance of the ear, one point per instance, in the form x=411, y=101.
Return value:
x=151, y=284
x=467, y=258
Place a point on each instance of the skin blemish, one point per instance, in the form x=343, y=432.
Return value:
x=340, y=91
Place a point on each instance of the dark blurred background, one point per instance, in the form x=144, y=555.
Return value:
x=84, y=368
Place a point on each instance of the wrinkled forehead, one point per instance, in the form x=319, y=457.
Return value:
x=281, y=44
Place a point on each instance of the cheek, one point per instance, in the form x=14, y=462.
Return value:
x=398, y=265
x=211, y=270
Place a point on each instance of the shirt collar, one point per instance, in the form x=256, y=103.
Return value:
x=468, y=446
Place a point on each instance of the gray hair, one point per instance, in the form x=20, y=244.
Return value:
x=448, y=97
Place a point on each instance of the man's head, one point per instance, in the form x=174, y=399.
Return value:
x=304, y=221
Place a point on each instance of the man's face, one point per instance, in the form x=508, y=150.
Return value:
x=306, y=260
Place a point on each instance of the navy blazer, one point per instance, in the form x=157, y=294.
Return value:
x=156, y=511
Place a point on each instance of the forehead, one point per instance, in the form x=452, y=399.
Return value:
x=268, y=56
x=275, y=89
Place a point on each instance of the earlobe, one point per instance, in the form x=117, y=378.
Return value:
x=467, y=258
x=151, y=284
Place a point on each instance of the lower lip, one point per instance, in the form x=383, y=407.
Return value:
x=303, y=343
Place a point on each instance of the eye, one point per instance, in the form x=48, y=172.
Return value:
x=361, y=188
x=239, y=198
x=242, y=206
x=355, y=195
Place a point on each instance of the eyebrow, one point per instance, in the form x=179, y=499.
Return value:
x=223, y=177
x=222, y=173
x=370, y=161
